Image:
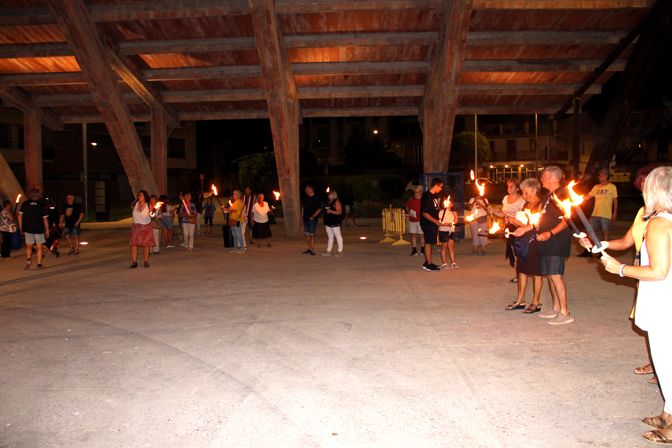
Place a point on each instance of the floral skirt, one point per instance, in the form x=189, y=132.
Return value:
x=142, y=235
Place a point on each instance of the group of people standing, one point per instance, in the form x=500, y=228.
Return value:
x=333, y=213
x=153, y=220
x=42, y=224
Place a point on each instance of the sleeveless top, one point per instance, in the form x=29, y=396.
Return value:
x=331, y=220
x=654, y=298
x=447, y=219
x=141, y=216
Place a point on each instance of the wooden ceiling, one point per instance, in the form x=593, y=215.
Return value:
x=199, y=58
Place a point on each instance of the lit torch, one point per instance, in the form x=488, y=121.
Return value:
x=566, y=207
x=157, y=206
x=469, y=218
x=18, y=198
x=328, y=189
x=446, y=203
x=472, y=176
x=576, y=200
x=494, y=228
x=215, y=192
x=277, y=195
x=481, y=188
x=532, y=218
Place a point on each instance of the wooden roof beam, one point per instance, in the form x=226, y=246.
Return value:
x=22, y=101
x=541, y=65
x=562, y=4
x=502, y=38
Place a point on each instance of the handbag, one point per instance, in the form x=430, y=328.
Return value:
x=521, y=245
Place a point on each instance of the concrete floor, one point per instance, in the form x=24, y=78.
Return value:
x=276, y=349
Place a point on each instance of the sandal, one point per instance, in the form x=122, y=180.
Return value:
x=657, y=422
x=532, y=309
x=643, y=370
x=515, y=306
x=659, y=436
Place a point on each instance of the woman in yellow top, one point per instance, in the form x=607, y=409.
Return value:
x=236, y=218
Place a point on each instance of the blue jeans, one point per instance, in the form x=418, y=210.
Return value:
x=237, y=233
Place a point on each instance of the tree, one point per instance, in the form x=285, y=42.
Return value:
x=462, y=149
x=258, y=171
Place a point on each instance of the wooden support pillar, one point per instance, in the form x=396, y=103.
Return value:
x=74, y=21
x=159, y=139
x=439, y=105
x=32, y=148
x=283, y=108
x=9, y=185
x=576, y=138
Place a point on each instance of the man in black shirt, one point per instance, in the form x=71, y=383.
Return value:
x=429, y=221
x=311, y=210
x=34, y=224
x=71, y=217
x=554, y=242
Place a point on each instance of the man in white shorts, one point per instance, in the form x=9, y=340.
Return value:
x=413, y=211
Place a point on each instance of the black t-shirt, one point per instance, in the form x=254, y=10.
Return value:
x=331, y=220
x=311, y=204
x=33, y=213
x=71, y=214
x=558, y=245
x=430, y=205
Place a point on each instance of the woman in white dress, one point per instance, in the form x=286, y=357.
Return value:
x=653, y=313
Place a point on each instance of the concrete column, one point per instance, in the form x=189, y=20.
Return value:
x=32, y=141
x=159, y=141
x=9, y=186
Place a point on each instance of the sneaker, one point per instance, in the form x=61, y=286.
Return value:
x=425, y=266
x=312, y=253
x=444, y=266
x=551, y=314
x=454, y=266
x=414, y=252
x=561, y=320
x=326, y=254
x=338, y=254
x=170, y=246
x=28, y=263
x=306, y=252
x=434, y=268
x=39, y=265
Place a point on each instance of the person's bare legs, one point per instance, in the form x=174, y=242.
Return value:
x=422, y=241
x=444, y=249
x=134, y=254
x=451, y=251
x=537, y=286
x=522, y=285
x=554, y=294
x=414, y=240
x=558, y=283
x=145, y=253
x=29, y=251
x=76, y=246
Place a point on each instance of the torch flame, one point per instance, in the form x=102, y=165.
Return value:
x=471, y=175
x=565, y=205
x=277, y=195
x=532, y=218
x=18, y=198
x=494, y=228
x=481, y=188
x=446, y=203
x=230, y=203
x=469, y=218
x=158, y=205
x=214, y=189
x=328, y=189
x=576, y=198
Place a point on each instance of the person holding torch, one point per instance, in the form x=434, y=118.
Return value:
x=653, y=313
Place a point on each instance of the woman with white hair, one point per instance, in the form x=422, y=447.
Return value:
x=654, y=303
x=333, y=216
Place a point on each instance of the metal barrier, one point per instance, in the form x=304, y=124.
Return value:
x=394, y=224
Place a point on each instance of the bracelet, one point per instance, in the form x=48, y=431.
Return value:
x=621, y=271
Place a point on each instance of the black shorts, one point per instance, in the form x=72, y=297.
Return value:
x=444, y=237
x=551, y=265
x=431, y=233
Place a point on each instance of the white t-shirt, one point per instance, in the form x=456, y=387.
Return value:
x=141, y=216
x=510, y=209
x=447, y=218
x=477, y=210
x=260, y=212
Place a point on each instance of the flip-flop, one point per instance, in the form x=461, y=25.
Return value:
x=659, y=436
x=532, y=309
x=515, y=306
x=655, y=422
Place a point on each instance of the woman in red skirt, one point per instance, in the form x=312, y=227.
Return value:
x=141, y=232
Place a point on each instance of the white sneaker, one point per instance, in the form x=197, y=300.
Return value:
x=552, y=314
x=444, y=266
x=326, y=254
x=454, y=266
x=561, y=320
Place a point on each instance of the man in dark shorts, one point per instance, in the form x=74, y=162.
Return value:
x=429, y=221
x=311, y=210
x=71, y=217
x=34, y=225
x=554, y=241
